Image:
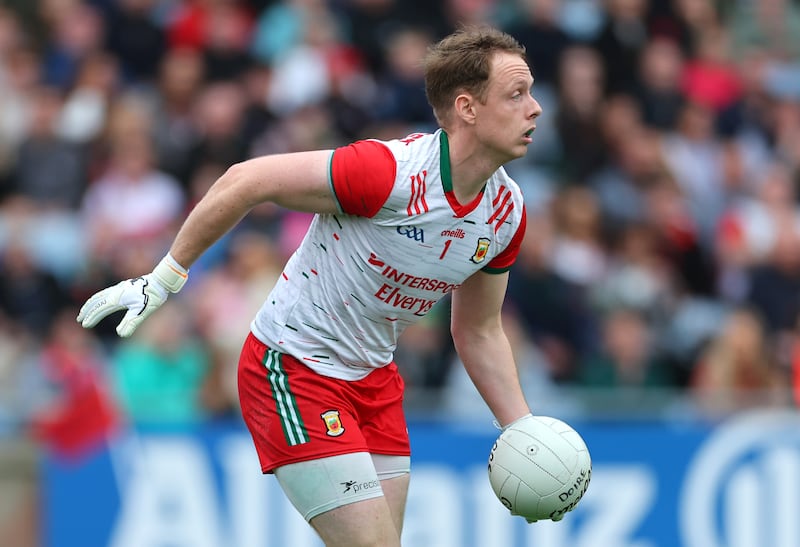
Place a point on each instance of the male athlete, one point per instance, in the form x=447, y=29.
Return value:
x=398, y=225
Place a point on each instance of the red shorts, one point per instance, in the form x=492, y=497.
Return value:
x=295, y=414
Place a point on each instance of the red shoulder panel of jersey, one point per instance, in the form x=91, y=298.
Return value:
x=503, y=262
x=363, y=175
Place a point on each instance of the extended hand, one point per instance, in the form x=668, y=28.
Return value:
x=141, y=296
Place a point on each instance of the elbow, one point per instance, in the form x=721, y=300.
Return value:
x=458, y=339
x=236, y=181
x=234, y=176
x=457, y=333
x=463, y=335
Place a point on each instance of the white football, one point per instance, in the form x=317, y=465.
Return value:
x=539, y=468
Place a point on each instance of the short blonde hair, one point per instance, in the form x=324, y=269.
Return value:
x=461, y=63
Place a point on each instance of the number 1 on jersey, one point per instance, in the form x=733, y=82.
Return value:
x=446, y=246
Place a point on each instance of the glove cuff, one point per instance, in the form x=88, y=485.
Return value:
x=504, y=427
x=170, y=274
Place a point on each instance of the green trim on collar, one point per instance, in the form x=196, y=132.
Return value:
x=444, y=162
x=444, y=166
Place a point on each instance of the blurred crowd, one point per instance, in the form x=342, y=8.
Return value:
x=663, y=245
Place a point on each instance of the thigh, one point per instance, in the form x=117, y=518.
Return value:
x=395, y=491
x=379, y=403
x=317, y=486
x=293, y=413
x=344, y=501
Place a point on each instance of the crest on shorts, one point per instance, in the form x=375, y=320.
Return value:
x=333, y=423
x=481, y=250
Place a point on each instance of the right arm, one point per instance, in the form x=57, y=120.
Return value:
x=300, y=181
x=296, y=181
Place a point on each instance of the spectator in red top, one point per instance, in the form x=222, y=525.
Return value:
x=82, y=415
x=711, y=79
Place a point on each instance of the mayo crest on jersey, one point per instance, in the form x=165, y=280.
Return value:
x=356, y=282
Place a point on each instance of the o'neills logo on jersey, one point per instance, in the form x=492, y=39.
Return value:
x=458, y=233
x=333, y=423
x=481, y=250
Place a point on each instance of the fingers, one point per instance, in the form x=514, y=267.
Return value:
x=130, y=323
x=139, y=310
x=99, y=306
x=139, y=296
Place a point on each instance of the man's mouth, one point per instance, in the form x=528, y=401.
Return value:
x=529, y=132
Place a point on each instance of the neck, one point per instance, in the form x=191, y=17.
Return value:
x=470, y=166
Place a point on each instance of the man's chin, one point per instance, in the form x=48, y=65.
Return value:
x=519, y=151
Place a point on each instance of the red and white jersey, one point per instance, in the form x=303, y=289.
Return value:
x=401, y=242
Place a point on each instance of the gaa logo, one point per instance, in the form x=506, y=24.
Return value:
x=743, y=487
x=412, y=232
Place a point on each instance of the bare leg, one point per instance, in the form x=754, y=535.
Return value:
x=396, y=492
x=374, y=519
x=367, y=523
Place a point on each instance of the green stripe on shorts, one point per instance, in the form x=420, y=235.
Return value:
x=293, y=428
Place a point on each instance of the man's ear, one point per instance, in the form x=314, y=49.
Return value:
x=465, y=108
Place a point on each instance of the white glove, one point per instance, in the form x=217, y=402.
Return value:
x=504, y=427
x=141, y=296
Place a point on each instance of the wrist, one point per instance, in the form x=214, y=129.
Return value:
x=171, y=275
x=512, y=422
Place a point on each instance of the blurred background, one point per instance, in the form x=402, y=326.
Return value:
x=655, y=304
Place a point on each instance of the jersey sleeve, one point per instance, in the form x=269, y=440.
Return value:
x=362, y=177
x=503, y=261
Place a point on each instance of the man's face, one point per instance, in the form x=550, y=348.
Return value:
x=505, y=122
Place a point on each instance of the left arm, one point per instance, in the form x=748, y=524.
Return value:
x=483, y=347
